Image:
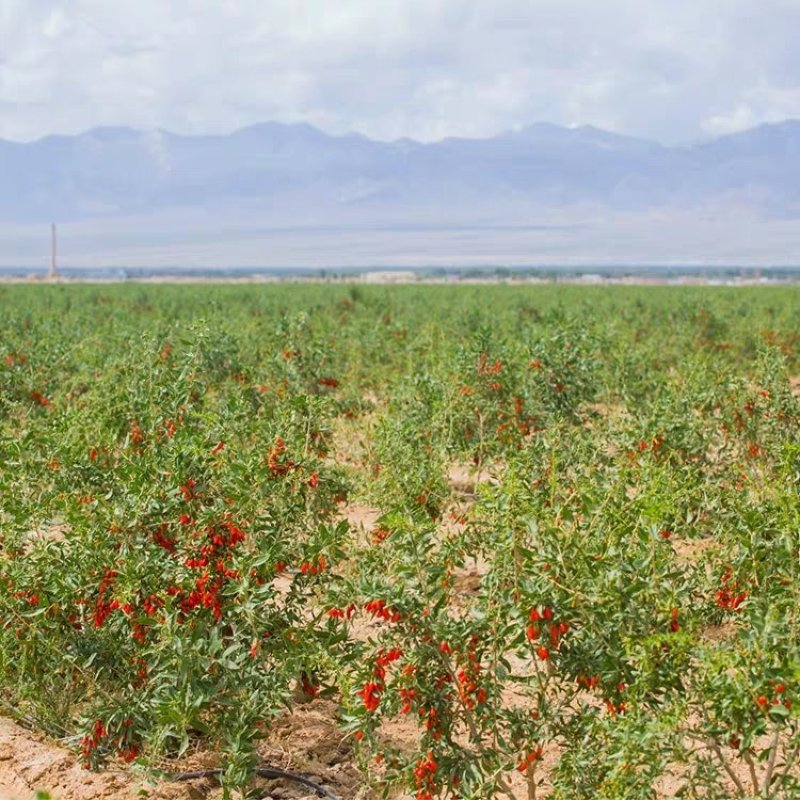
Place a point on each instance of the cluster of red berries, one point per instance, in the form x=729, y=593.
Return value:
x=425, y=777
x=12, y=359
x=588, y=682
x=468, y=677
x=309, y=687
x=371, y=695
x=531, y=758
x=544, y=629
x=484, y=368
x=425, y=499
x=168, y=428
x=104, y=607
x=615, y=708
x=136, y=436
x=384, y=658
x=314, y=567
x=31, y=598
x=730, y=595
x=779, y=698
x=430, y=716
x=342, y=613
x=372, y=690
x=213, y=558
x=749, y=409
x=379, y=534
x=162, y=538
x=516, y=421
x=204, y=595
x=408, y=697
x=129, y=753
x=277, y=462
x=215, y=553
x=39, y=398
x=188, y=492
x=378, y=608
x=92, y=741
x=643, y=445
x=141, y=669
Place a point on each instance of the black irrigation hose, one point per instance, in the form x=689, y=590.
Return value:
x=262, y=772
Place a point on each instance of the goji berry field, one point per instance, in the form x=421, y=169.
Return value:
x=523, y=541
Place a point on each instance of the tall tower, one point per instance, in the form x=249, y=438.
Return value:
x=52, y=273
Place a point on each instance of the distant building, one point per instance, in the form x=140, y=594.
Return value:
x=389, y=276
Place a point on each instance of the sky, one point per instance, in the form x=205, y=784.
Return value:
x=671, y=70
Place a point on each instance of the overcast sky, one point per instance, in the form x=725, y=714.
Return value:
x=673, y=70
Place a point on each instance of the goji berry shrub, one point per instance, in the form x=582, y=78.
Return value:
x=173, y=599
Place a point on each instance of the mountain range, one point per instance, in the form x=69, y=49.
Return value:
x=282, y=170
x=276, y=176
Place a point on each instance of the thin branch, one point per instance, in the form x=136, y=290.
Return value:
x=773, y=754
x=748, y=757
x=715, y=748
x=727, y=767
x=531, y=776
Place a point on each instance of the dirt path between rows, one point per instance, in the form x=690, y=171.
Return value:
x=29, y=762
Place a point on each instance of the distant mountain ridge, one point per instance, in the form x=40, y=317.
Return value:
x=280, y=172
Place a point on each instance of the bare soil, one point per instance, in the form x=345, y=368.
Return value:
x=305, y=741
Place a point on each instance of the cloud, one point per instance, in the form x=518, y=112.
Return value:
x=668, y=69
